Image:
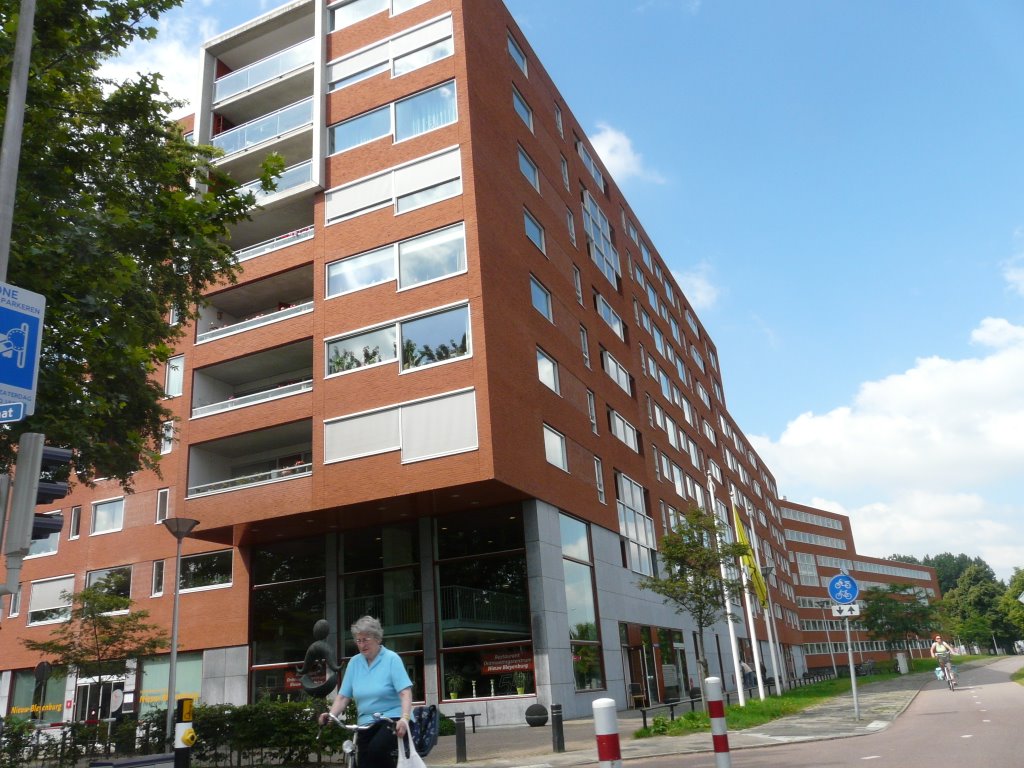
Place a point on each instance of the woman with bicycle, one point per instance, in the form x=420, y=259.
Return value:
x=377, y=681
x=941, y=652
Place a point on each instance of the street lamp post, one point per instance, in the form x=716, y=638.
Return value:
x=180, y=527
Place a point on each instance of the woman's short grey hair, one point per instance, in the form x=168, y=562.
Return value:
x=368, y=626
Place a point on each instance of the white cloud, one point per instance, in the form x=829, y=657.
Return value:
x=1013, y=273
x=926, y=461
x=619, y=157
x=698, y=287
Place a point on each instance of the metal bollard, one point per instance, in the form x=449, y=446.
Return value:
x=460, y=737
x=719, y=731
x=557, y=734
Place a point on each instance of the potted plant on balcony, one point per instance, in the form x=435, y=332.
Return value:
x=455, y=682
x=519, y=680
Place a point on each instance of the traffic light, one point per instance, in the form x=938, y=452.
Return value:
x=44, y=525
x=54, y=468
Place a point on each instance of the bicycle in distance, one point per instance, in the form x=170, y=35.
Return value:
x=351, y=759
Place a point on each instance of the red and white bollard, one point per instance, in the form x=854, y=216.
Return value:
x=606, y=727
x=719, y=730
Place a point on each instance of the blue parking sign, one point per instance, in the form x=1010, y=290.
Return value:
x=843, y=589
x=21, y=334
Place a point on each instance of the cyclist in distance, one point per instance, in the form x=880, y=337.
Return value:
x=941, y=652
x=377, y=681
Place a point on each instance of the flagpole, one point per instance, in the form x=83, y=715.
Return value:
x=769, y=623
x=747, y=600
x=729, y=618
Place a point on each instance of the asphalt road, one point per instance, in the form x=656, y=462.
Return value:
x=980, y=725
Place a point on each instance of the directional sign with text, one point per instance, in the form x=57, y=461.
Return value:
x=21, y=336
x=845, y=610
x=843, y=588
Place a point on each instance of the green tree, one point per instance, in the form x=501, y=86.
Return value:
x=896, y=614
x=693, y=556
x=1012, y=608
x=102, y=633
x=972, y=608
x=949, y=568
x=118, y=221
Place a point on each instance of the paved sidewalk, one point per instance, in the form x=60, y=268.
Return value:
x=517, y=746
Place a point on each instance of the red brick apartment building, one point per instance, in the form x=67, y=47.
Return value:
x=821, y=545
x=469, y=406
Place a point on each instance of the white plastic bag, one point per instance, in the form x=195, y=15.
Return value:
x=413, y=760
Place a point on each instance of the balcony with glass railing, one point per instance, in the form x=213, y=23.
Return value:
x=255, y=321
x=265, y=70
x=285, y=120
x=298, y=469
x=296, y=175
x=463, y=607
x=263, y=396
x=274, y=244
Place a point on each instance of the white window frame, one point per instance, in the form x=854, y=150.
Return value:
x=547, y=312
x=94, y=516
x=547, y=364
x=174, y=376
x=554, y=442
x=522, y=108
x=535, y=235
x=515, y=52
x=163, y=504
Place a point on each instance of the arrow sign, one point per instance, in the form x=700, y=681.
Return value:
x=845, y=610
x=843, y=588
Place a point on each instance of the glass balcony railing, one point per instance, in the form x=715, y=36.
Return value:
x=274, y=243
x=266, y=69
x=463, y=606
x=300, y=173
x=265, y=128
x=256, y=397
x=255, y=321
x=234, y=483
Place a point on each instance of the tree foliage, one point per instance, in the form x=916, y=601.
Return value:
x=1012, y=608
x=972, y=609
x=102, y=633
x=692, y=556
x=949, y=568
x=118, y=221
x=896, y=614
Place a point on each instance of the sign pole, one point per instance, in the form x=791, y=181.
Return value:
x=853, y=671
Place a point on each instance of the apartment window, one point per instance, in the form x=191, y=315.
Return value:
x=49, y=600
x=167, y=437
x=547, y=371
x=558, y=121
x=610, y=316
x=112, y=581
x=599, y=479
x=599, y=238
x=585, y=344
x=623, y=430
x=565, y=171
x=416, y=261
x=157, y=587
x=541, y=299
x=15, y=607
x=75, y=526
x=517, y=54
x=554, y=448
x=591, y=166
x=422, y=46
x=592, y=411
x=206, y=571
x=163, y=503
x=47, y=545
x=350, y=12
x=570, y=223
x=617, y=371
x=422, y=182
x=534, y=230
x=635, y=526
x=522, y=108
x=409, y=117
x=107, y=516
x=577, y=283
x=529, y=169
x=434, y=338
x=424, y=429
x=697, y=358
x=174, y=376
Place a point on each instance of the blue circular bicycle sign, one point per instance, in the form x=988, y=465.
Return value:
x=843, y=588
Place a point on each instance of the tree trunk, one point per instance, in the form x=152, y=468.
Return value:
x=702, y=666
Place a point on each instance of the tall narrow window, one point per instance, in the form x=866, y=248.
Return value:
x=547, y=370
x=554, y=448
x=599, y=479
x=570, y=223
x=522, y=109
x=565, y=171
x=158, y=578
x=585, y=344
x=75, y=526
x=174, y=377
x=517, y=55
x=558, y=121
x=541, y=298
x=163, y=501
x=577, y=283
x=534, y=230
x=592, y=411
x=529, y=169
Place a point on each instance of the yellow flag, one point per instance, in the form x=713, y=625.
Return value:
x=748, y=560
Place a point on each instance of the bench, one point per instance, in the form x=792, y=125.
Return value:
x=472, y=719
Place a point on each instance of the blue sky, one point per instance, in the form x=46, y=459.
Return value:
x=839, y=189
